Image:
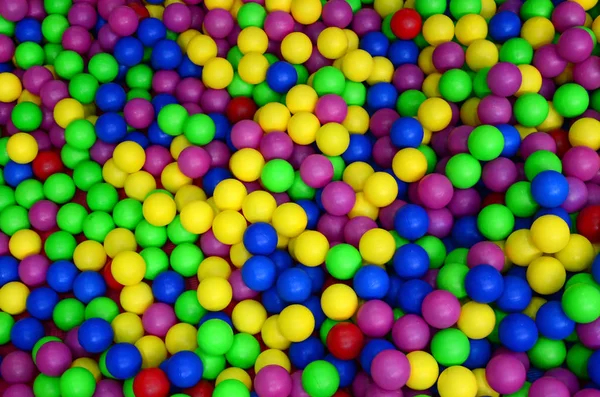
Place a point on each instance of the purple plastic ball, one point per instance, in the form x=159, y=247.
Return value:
x=297, y=389
x=486, y=253
x=535, y=142
x=499, y=174
x=218, y=23
x=13, y=10
x=101, y=152
x=123, y=21
x=17, y=367
x=32, y=270
x=240, y=290
x=278, y=24
x=332, y=227
x=382, y=120
x=440, y=222
x=435, y=191
x=338, y=198
x=158, y=318
x=194, y=162
x=407, y=77
x=139, y=113
x=33, y=78
x=157, y=158
x=356, y=227
x=567, y=377
x=494, y=110
x=441, y=309
x=505, y=374
x=316, y=171
x=448, y=55
x=219, y=153
x=42, y=215
x=568, y=15
x=581, y=162
x=589, y=334
x=575, y=45
x=410, y=333
x=273, y=381
x=577, y=197
x=337, y=13
x=276, y=145
x=548, y=386
x=108, y=388
x=390, y=370
x=331, y=108
x=366, y=20
x=53, y=358
x=587, y=73
x=504, y=79
x=177, y=17
x=375, y=318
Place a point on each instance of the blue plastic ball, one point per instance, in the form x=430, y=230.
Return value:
x=216, y=316
x=313, y=213
x=40, y=303
x=406, y=132
x=281, y=77
x=123, y=361
x=504, y=25
x=375, y=43
x=373, y=348
x=139, y=138
x=411, y=261
x=110, y=97
x=61, y=276
x=111, y=128
x=480, y=353
x=359, y=149
x=259, y=273
x=26, y=332
x=484, y=284
x=150, y=31
x=317, y=277
x=185, y=369
x=89, y=285
x=213, y=177
x=593, y=367
x=29, y=29
x=347, y=369
x=516, y=295
x=402, y=52
x=558, y=211
x=272, y=301
x=465, y=232
x=162, y=100
x=294, y=285
x=549, y=188
x=517, y=332
x=260, y=239
x=187, y=68
x=129, y=51
x=512, y=140
x=9, y=270
x=552, y=322
x=166, y=55
x=222, y=126
x=158, y=136
x=411, y=221
x=282, y=260
x=95, y=335
x=167, y=287
x=382, y=96
x=15, y=173
x=303, y=353
x=411, y=295
x=314, y=305
x=371, y=282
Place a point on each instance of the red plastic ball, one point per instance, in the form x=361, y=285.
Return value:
x=341, y=393
x=46, y=164
x=345, y=341
x=151, y=382
x=588, y=223
x=108, y=277
x=202, y=389
x=240, y=108
x=561, y=138
x=140, y=10
x=493, y=198
x=406, y=24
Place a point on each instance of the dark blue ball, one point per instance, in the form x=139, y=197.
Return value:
x=162, y=100
x=294, y=285
x=411, y=295
x=347, y=369
x=158, y=136
x=411, y=221
x=596, y=269
x=139, y=138
x=61, y=276
x=150, y=31
x=371, y=349
x=167, y=286
x=393, y=292
x=29, y=29
x=317, y=277
x=110, y=97
x=375, y=43
x=41, y=302
x=406, y=132
x=123, y=361
x=504, y=25
x=26, y=332
x=411, y=261
x=166, y=55
x=272, y=301
x=484, y=284
x=282, y=260
x=479, y=354
x=552, y=322
x=549, y=188
x=260, y=239
x=371, y=282
x=558, y=211
x=185, y=369
x=9, y=270
x=188, y=68
x=314, y=305
x=95, y=335
x=129, y=51
x=516, y=295
x=465, y=232
x=517, y=332
x=15, y=173
x=312, y=213
x=359, y=149
x=402, y=52
x=593, y=367
x=111, y=128
x=216, y=316
x=222, y=126
x=281, y=76
x=512, y=140
x=89, y=285
x=259, y=273
x=382, y=96
x=213, y=177
x=303, y=353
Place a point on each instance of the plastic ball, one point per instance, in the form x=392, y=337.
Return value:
x=457, y=381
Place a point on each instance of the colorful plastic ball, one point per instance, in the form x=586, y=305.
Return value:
x=77, y=382
x=549, y=189
x=53, y=358
x=411, y=221
x=371, y=282
x=184, y=369
x=22, y=148
x=484, y=284
x=320, y=378
x=345, y=341
x=441, y=309
x=516, y=296
x=390, y=369
x=550, y=233
x=505, y=374
x=517, y=332
x=578, y=301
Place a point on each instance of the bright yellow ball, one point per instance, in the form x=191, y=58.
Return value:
x=289, y=220
x=66, y=111
x=252, y=39
x=214, y=293
x=253, y=68
x=596, y=27
x=301, y=98
x=533, y=307
x=353, y=40
x=387, y=7
x=296, y=323
x=553, y=120
x=229, y=227
x=224, y=4
x=477, y=320
x=546, y=275
x=188, y=193
x=358, y=65
x=201, y=49
x=113, y=174
x=311, y=248
x=488, y=9
x=578, y=255
x=153, y=351
x=332, y=43
x=296, y=48
x=538, y=31
x=89, y=255
x=435, y=114
x=213, y=266
x=481, y=54
x=357, y=120
x=520, y=248
x=229, y=194
x=333, y=139
x=136, y=298
x=90, y=365
x=272, y=336
x=259, y=206
x=425, y=60
x=239, y=255
x=278, y=5
x=217, y=73
x=339, y=302
x=303, y=128
x=139, y=184
x=469, y=28
x=457, y=382
x=127, y=328
x=550, y=233
x=178, y=144
x=381, y=189
x=274, y=116
x=272, y=357
x=468, y=112
x=11, y=87
x=377, y=246
x=431, y=85
x=247, y=164
x=248, y=316
x=24, y=243
x=531, y=80
x=13, y=298
x=196, y=217
x=424, y=370
x=586, y=4
x=159, y=209
x=438, y=29
x=22, y=148
x=128, y=268
x=483, y=387
x=585, y=132
x=306, y=11
x=119, y=240
x=383, y=71
x=185, y=38
x=129, y=156
x=356, y=174
x=363, y=207
x=409, y=165
x=173, y=179
x=181, y=337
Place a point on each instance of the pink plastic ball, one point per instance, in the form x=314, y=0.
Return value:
x=548, y=386
x=390, y=370
x=246, y=134
x=505, y=374
x=331, y=108
x=158, y=318
x=276, y=145
x=273, y=381
x=375, y=318
x=441, y=309
x=486, y=253
x=32, y=270
x=53, y=358
x=194, y=162
x=410, y=333
x=435, y=191
x=17, y=367
x=316, y=171
x=338, y=198
x=177, y=17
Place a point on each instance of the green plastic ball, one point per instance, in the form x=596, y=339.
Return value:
x=60, y=246
x=51, y=51
x=171, y=119
x=47, y=386
x=517, y=51
x=537, y=8
x=57, y=6
x=139, y=76
x=451, y=278
x=215, y=337
x=581, y=303
x=102, y=307
x=70, y=218
x=239, y=87
x=6, y=27
x=157, y=261
x=531, y=109
x=68, y=64
x=338, y=167
x=68, y=314
x=83, y=87
x=185, y=259
x=148, y=235
x=571, y=100
x=302, y=74
x=408, y=103
x=29, y=192
x=77, y=382
x=72, y=157
x=480, y=85
x=212, y=365
x=329, y=80
x=457, y=255
x=177, y=233
x=7, y=197
x=300, y=190
x=435, y=248
x=234, y=55
x=430, y=156
x=460, y=8
x=102, y=197
x=231, y=388
x=4, y=158
x=187, y=307
x=277, y=176
x=320, y=379
x=59, y=188
x=343, y=261
x=251, y=14
x=541, y=160
x=355, y=94
x=6, y=324
x=97, y=225
x=577, y=360
x=263, y=94
x=325, y=328
x=455, y=85
x=547, y=353
x=495, y=222
x=520, y=201
x=128, y=214
x=103, y=67
x=244, y=351
x=463, y=170
x=522, y=392
x=27, y=116
x=485, y=142
x=12, y=219
x=80, y=134
x=199, y=129
x=450, y=347
x=428, y=8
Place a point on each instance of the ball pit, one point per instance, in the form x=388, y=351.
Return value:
x=299, y=198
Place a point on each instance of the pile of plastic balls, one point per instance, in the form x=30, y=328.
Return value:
x=299, y=198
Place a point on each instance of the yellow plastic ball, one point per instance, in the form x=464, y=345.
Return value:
x=332, y=43
x=178, y=144
x=113, y=174
x=468, y=112
x=252, y=68
x=550, y=233
x=303, y=128
x=546, y=275
x=214, y=293
x=596, y=27
x=409, y=165
x=531, y=80
x=289, y=220
x=381, y=189
x=155, y=11
x=274, y=116
x=197, y=217
x=66, y=111
x=353, y=40
x=431, y=85
x=301, y=98
x=90, y=365
x=224, y=4
x=387, y=7
x=469, y=28
x=181, y=337
x=483, y=387
x=586, y=4
x=258, y=206
x=247, y=164
x=553, y=121
x=235, y=374
x=127, y=328
x=27, y=96
x=185, y=38
x=477, y=320
x=533, y=307
x=520, y=248
x=278, y=5
x=538, y=31
x=229, y=194
x=153, y=351
x=24, y=243
x=217, y=73
x=438, y=29
x=272, y=336
x=296, y=323
x=356, y=174
x=424, y=370
x=296, y=48
x=363, y=207
x=566, y=76
x=128, y=268
x=213, y=266
x=136, y=298
x=358, y=65
x=339, y=302
x=425, y=60
x=252, y=39
x=159, y=209
x=11, y=87
x=585, y=132
x=229, y=226
x=333, y=139
x=488, y=9
x=239, y=255
x=357, y=120
x=22, y=148
x=188, y=193
x=457, y=382
x=173, y=179
x=578, y=254
x=383, y=71
x=119, y=240
x=434, y=114
x=306, y=11
x=13, y=298
x=248, y=316
x=272, y=357
x=481, y=54
x=129, y=156
x=311, y=248
x=377, y=246
x=139, y=184
x=201, y=49
x=89, y=255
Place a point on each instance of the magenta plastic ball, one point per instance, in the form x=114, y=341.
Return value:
x=486, y=253
x=177, y=17
x=299, y=153
x=384, y=152
x=375, y=318
x=107, y=38
x=240, y=290
x=281, y=198
x=593, y=193
x=158, y=318
x=589, y=334
x=14, y=10
x=387, y=213
x=316, y=171
x=494, y=110
x=33, y=78
x=587, y=73
x=36, y=10
x=317, y=61
x=297, y=390
x=42, y=215
x=17, y=367
x=504, y=79
x=332, y=227
x=458, y=138
x=577, y=197
x=194, y=162
x=499, y=174
x=78, y=39
x=314, y=30
x=108, y=388
x=535, y=142
x=106, y=7
x=165, y=81
x=139, y=113
x=521, y=356
x=273, y=381
x=18, y=390
x=219, y=153
x=382, y=120
x=278, y=24
x=408, y=77
x=441, y=309
x=57, y=136
x=189, y=89
x=53, y=91
x=213, y=247
x=567, y=377
x=575, y=45
x=440, y=222
x=360, y=384
x=587, y=393
x=32, y=270
x=356, y=227
x=157, y=158
x=448, y=55
x=548, y=386
x=548, y=89
x=123, y=21
x=43, y=140
x=581, y=162
x=53, y=358
x=568, y=15
x=338, y=198
x=101, y=152
x=366, y=20
x=218, y=23
x=215, y=101
x=276, y=145
x=4, y=244
x=337, y=13
x=505, y=374
x=192, y=108
x=390, y=369
x=435, y=191
x=82, y=14
x=331, y=108
x=410, y=333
